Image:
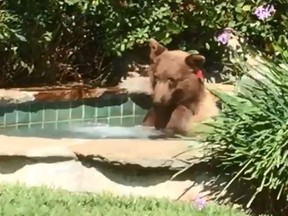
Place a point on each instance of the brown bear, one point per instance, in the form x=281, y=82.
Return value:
x=178, y=90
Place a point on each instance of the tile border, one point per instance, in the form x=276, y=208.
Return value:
x=115, y=107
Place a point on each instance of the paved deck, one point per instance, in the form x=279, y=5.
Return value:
x=145, y=153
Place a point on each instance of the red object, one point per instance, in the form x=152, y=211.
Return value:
x=199, y=74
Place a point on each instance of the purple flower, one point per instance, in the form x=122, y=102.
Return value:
x=200, y=202
x=263, y=12
x=224, y=37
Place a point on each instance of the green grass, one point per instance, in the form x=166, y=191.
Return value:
x=19, y=200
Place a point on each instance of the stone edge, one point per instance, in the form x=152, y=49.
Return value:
x=65, y=154
x=77, y=92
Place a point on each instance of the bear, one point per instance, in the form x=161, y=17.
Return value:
x=179, y=95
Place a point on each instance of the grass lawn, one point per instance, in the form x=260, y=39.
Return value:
x=19, y=200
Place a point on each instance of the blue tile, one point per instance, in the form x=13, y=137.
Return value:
x=10, y=115
x=23, y=111
x=50, y=112
x=37, y=112
x=64, y=109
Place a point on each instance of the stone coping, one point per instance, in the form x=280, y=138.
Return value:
x=168, y=154
x=131, y=85
x=56, y=93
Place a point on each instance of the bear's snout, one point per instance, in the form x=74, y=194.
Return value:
x=162, y=93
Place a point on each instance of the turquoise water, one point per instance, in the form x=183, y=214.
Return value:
x=85, y=131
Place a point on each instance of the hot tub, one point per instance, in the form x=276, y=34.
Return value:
x=114, y=114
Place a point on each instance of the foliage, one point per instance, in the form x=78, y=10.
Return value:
x=127, y=24
x=17, y=200
x=51, y=40
x=270, y=34
x=207, y=21
x=74, y=39
x=251, y=132
x=54, y=43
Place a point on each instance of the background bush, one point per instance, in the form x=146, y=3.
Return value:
x=53, y=41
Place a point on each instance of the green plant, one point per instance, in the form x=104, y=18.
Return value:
x=59, y=40
x=128, y=24
x=249, y=137
x=10, y=36
x=265, y=33
x=19, y=200
x=53, y=41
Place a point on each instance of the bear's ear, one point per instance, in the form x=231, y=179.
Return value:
x=195, y=60
x=155, y=48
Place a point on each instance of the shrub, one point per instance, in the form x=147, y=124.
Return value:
x=269, y=34
x=249, y=137
x=54, y=43
x=49, y=40
x=76, y=39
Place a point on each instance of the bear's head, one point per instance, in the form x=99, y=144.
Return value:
x=174, y=75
